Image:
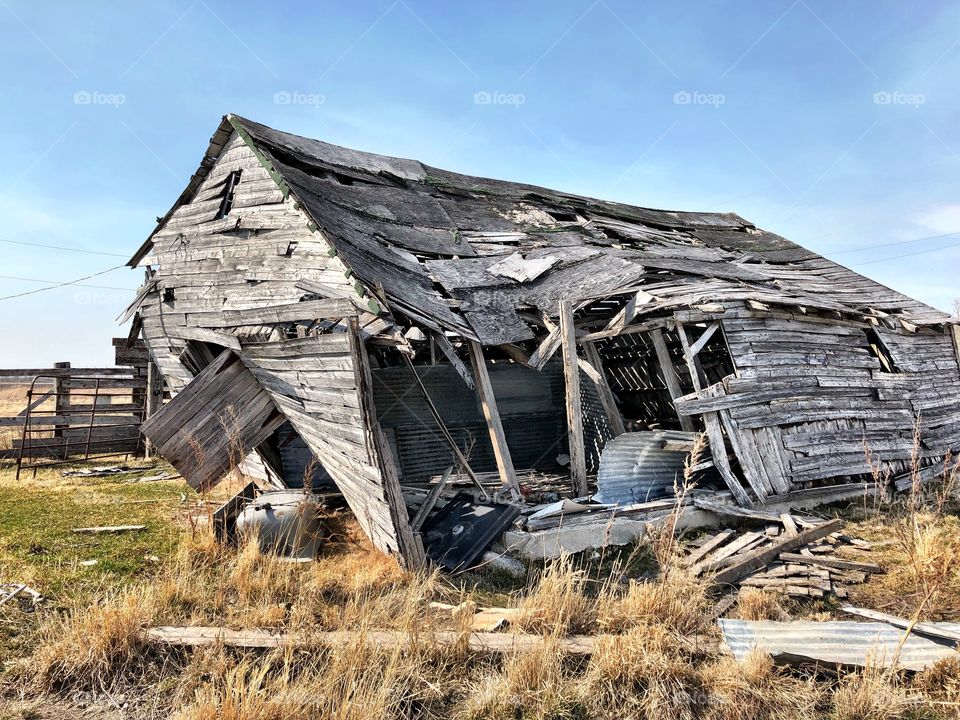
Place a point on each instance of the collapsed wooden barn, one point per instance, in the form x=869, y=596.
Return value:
x=370, y=321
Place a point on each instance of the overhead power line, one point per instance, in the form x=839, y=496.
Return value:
x=905, y=255
x=891, y=244
x=60, y=247
x=55, y=282
x=61, y=284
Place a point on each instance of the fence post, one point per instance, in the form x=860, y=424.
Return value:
x=153, y=401
x=61, y=394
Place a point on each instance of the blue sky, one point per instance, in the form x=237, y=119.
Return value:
x=834, y=124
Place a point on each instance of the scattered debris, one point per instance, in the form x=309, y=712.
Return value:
x=17, y=591
x=463, y=529
x=87, y=563
x=767, y=560
x=155, y=478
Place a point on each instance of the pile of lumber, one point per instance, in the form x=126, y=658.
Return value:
x=794, y=556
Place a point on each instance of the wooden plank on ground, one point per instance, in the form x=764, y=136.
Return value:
x=491, y=643
x=110, y=529
x=702, y=551
x=831, y=562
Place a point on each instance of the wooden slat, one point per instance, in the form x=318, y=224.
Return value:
x=764, y=556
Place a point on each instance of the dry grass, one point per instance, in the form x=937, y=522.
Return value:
x=658, y=658
x=920, y=537
x=755, y=689
x=558, y=603
x=875, y=694
x=757, y=604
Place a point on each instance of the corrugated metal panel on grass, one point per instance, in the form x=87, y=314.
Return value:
x=836, y=643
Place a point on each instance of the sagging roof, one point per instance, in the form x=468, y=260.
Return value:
x=485, y=258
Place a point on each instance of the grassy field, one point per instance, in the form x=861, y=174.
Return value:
x=81, y=653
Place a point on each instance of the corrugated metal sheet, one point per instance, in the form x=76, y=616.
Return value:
x=531, y=408
x=634, y=467
x=836, y=643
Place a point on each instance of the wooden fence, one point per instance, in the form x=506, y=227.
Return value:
x=82, y=413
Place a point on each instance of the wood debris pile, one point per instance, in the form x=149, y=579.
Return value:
x=795, y=557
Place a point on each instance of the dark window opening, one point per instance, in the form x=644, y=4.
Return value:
x=636, y=377
x=169, y=295
x=229, y=190
x=197, y=355
x=881, y=352
x=714, y=359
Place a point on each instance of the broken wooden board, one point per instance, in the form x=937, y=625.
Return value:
x=110, y=530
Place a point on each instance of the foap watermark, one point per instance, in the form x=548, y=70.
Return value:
x=86, y=297
x=897, y=97
x=295, y=97
x=695, y=97
x=95, y=97
x=485, y=97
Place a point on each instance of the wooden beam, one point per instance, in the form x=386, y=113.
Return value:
x=546, y=349
x=476, y=642
x=571, y=376
x=669, y=374
x=704, y=339
x=153, y=401
x=628, y=330
x=603, y=389
x=409, y=544
x=451, y=353
x=488, y=402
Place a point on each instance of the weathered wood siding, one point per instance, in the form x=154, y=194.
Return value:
x=811, y=402
x=222, y=273
x=315, y=382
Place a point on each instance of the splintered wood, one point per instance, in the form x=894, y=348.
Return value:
x=781, y=558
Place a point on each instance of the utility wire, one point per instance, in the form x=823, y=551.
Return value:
x=54, y=282
x=63, y=284
x=60, y=247
x=891, y=244
x=905, y=255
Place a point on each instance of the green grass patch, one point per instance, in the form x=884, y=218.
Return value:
x=38, y=516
